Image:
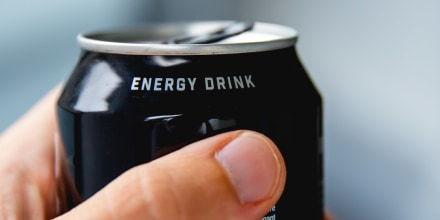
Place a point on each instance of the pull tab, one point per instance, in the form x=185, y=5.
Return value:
x=223, y=33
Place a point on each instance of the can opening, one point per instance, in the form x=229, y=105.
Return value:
x=190, y=38
x=222, y=33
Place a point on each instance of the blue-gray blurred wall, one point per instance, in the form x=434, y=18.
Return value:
x=375, y=62
x=38, y=46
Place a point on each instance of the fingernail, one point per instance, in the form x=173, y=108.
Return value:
x=252, y=166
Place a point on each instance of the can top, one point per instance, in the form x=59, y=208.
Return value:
x=190, y=38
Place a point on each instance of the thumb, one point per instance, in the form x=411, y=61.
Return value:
x=234, y=175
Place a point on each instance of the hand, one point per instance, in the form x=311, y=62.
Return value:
x=234, y=175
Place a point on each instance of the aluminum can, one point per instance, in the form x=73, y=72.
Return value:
x=138, y=93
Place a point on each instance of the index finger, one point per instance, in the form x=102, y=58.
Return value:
x=28, y=185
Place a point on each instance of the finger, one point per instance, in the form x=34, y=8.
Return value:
x=27, y=186
x=327, y=216
x=235, y=175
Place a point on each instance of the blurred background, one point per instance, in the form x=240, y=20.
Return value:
x=375, y=62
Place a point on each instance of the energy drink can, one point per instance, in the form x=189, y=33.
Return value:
x=139, y=93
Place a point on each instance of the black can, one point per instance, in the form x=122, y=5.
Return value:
x=159, y=87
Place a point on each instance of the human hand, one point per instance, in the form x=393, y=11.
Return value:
x=234, y=175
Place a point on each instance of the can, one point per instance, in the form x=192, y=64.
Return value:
x=138, y=93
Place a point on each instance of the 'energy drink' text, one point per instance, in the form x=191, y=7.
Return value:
x=161, y=84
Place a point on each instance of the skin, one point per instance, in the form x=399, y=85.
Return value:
x=34, y=178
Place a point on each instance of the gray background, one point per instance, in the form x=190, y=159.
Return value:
x=375, y=62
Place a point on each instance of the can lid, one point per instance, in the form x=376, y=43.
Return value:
x=190, y=38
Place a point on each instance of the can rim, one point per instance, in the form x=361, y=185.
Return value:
x=146, y=39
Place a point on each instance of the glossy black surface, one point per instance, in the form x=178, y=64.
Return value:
x=110, y=123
